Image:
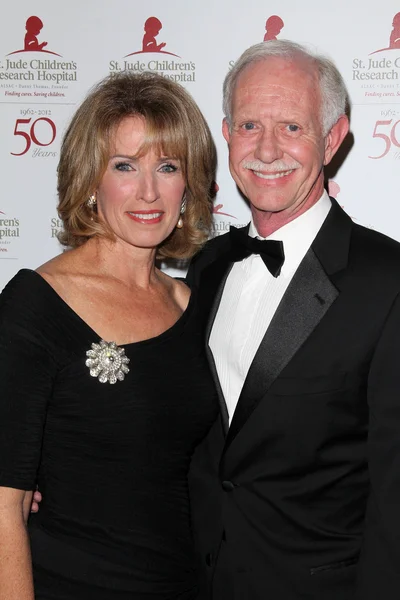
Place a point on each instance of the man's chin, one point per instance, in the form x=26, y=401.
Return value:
x=270, y=205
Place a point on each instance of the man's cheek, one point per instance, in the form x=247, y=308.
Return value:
x=300, y=152
x=241, y=151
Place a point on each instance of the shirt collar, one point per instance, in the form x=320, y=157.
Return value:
x=298, y=235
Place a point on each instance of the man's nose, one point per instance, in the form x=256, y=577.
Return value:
x=268, y=147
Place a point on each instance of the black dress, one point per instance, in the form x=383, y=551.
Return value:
x=111, y=460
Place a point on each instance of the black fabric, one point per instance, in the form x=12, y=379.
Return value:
x=110, y=460
x=304, y=503
x=243, y=245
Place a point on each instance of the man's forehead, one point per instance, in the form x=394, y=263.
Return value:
x=269, y=92
x=272, y=97
x=277, y=78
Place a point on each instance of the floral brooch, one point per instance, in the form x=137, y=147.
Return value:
x=107, y=362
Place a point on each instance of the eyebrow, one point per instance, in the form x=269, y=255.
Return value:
x=128, y=156
x=135, y=157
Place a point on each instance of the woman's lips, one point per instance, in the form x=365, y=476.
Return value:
x=147, y=217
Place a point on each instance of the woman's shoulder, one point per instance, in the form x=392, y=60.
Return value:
x=182, y=293
x=25, y=298
x=30, y=286
x=25, y=310
x=23, y=287
x=177, y=289
x=32, y=313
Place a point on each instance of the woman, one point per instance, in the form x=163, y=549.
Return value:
x=105, y=387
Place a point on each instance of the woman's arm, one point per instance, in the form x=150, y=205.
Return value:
x=16, y=582
x=28, y=505
x=27, y=374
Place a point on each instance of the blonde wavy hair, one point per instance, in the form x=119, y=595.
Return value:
x=175, y=127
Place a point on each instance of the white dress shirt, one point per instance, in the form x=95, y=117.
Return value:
x=251, y=296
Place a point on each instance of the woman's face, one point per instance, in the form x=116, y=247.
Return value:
x=139, y=198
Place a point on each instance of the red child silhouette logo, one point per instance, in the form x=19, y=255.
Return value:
x=394, y=40
x=152, y=28
x=395, y=34
x=333, y=188
x=33, y=27
x=334, y=191
x=273, y=27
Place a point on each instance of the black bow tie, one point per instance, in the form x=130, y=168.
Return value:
x=271, y=251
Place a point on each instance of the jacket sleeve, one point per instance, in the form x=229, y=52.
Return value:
x=379, y=565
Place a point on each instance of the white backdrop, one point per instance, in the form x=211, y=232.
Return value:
x=40, y=86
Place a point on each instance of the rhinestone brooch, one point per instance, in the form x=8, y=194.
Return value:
x=107, y=362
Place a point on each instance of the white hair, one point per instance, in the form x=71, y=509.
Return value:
x=334, y=95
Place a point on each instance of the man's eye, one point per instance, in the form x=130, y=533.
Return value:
x=248, y=126
x=292, y=127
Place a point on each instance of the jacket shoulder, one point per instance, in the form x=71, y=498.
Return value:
x=375, y=247
x=210, y=252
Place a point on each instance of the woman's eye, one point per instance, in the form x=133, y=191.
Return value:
x=168, y=168
x=122, y=166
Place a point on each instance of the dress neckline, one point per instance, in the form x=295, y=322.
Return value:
x=180, y=322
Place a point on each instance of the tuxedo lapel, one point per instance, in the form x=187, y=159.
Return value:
x=305, y=302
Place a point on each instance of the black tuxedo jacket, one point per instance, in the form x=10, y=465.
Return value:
x=300, y=497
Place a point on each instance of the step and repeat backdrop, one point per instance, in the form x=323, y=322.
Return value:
x=51, y=53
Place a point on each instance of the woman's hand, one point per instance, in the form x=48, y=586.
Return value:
x=36, y=500
x=31, y=503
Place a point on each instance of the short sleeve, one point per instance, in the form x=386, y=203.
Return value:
x=27, y=372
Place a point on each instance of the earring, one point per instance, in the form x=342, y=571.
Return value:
x=179, y=224
x=91, y=201
x=183, y=205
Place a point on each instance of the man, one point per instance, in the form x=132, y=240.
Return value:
x=296, y=490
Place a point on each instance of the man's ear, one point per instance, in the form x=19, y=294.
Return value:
x=335, y=137
x=225, y=130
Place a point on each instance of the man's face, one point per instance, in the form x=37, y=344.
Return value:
x=276, y=147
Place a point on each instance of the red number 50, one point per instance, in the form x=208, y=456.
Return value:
x=388, y=140
x=31, y=136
